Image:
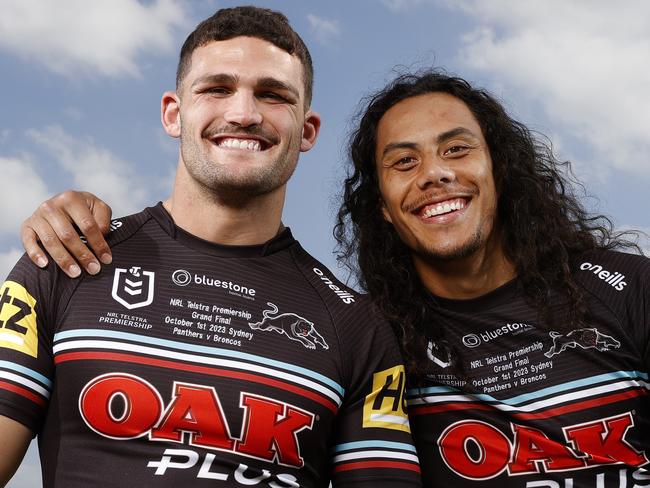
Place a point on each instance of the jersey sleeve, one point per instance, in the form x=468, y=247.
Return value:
x=373, y=446
x=635, y=300
x=644, y=306
x=27, y=308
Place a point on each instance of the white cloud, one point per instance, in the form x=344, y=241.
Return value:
x=584, y=62
x=324, y=29
x=95, y=169
x=99, y=37
x=21, y=191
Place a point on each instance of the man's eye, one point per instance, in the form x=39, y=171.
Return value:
x=217, y=90
x=272, y=96
x=405, y=162
x=456, y=150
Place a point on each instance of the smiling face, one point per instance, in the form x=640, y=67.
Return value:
x=240, y=114
x=435, y=178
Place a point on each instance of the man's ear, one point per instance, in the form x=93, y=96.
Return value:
x=310, y=129
x=170, y=114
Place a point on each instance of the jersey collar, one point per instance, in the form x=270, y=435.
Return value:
x=281, y=241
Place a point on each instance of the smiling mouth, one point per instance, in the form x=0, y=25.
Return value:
x=442, y=208
x=253, y=145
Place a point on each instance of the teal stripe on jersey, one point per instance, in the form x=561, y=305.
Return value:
x=211, y=351
x=592, y=381
x=348, y=446
x=27, y=372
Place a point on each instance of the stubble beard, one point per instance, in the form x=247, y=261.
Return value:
x=467, y=249
x=223, y=183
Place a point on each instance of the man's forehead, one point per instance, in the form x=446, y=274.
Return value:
x=430, y=112
x=248, y=57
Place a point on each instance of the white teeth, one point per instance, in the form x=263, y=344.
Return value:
x=241, y=144
x=443, y=208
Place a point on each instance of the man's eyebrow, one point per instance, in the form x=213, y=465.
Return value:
x=398, y=145
x=218, y=78
x=458, y=131
x=275, y=84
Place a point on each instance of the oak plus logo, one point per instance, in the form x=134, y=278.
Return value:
x=477, y=450
x=122, y=406
x=133, y=287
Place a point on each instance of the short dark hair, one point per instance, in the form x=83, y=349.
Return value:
x=543, y=224
x=262, y=23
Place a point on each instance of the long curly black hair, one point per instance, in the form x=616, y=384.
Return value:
x=543, y=224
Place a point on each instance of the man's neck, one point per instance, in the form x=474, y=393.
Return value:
x=224, y=220
x=466, y=278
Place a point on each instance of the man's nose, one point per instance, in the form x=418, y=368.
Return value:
x=435, y=171
x=243, y=110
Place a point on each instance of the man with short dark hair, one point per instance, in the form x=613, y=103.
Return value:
x=526, y=336
x=214, y=351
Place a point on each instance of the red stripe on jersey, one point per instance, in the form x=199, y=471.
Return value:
x=23, y=392
x=447, y=407
x=81, y=356
x=377, y=464
x=582, y=405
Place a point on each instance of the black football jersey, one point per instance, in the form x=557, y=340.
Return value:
x=186, y=363
x=511, y=404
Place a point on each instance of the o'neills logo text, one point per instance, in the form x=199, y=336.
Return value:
x=345, y=296
x=614, y=279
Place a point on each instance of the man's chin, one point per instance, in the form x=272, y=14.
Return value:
x=452, y=253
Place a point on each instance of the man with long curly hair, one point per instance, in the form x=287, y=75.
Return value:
x=525, y=333
x=524, y=328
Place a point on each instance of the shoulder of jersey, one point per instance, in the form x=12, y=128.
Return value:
x=323, y=280
x=327, y=282
x=123, y=227
x=612, y=269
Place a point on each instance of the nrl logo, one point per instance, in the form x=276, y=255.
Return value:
x=294, y=326
x=133, y=287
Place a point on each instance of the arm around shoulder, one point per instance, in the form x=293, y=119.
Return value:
x=53, y=226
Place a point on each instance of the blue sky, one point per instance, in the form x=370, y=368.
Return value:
x=81, y=85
